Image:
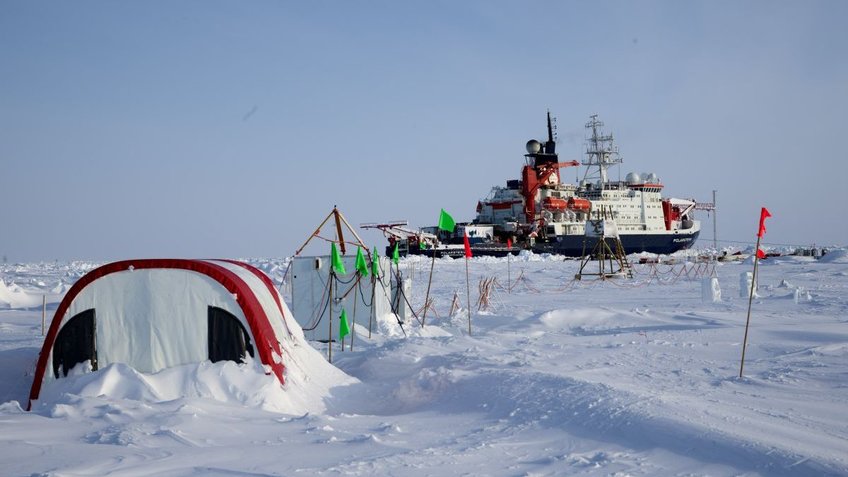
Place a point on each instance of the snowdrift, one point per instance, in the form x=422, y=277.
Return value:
x=839, y=255
x=13, y=296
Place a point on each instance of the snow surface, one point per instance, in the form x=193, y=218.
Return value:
x=624, y=377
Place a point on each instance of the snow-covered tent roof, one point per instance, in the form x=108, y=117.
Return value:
x=153, y=314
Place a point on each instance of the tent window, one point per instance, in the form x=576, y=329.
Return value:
x=75, y=343
x=228, y=340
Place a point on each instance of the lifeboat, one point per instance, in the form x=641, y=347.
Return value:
x=579, y=205
x=554, y=203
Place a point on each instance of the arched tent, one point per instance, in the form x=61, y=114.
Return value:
x=153, y=314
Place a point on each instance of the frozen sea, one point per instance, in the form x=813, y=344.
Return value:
x=623, y=377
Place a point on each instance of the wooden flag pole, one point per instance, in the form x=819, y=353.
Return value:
x=429, y=282
x=750, y=300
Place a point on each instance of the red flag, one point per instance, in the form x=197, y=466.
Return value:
x=467, y=246
x=760, y=253
x=509, y=244
x=764, y=214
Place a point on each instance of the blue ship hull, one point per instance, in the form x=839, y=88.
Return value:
x=568, y=245
x=573, y=245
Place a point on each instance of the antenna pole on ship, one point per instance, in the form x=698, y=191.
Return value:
x=715, y=219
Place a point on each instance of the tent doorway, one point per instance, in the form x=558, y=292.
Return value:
x=228, y=340
x=75, y=343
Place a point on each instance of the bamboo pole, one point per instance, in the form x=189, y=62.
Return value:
x=750, y=300
x=353, y=320
x=429, y=282
x=468, y=294
x=330, y=331
x=339, y=234
x=373, y=305
x=352, y=230
x=508, y=274
x=399, y=285
x=317, y=231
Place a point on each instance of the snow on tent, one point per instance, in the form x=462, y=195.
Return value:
x=156, y=314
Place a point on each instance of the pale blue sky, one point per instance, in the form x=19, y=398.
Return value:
x=210, y=128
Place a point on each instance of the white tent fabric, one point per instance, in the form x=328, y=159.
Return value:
x=152, y=318
x=153, y=314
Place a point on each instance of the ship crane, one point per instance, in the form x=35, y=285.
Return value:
x=398, y=230
x=535, y=178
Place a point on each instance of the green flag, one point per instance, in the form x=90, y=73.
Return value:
x=395, y=254
x=375, y=263
x=446, y=222
x=422, y=245
x=344, y=330
x=361, y=266
x=336, y=259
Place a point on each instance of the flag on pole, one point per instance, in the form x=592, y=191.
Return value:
x=361, y=266
x=764, y=214
x=344, y=330
x=446, y=222
x=336, y=260
x=509, y=244
x=375, y=263
x=467, y=246
x=395, y=254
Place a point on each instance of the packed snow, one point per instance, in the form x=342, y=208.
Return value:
x=628, y=376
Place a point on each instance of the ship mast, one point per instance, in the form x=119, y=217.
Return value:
x=601, y=153
x=551, y=136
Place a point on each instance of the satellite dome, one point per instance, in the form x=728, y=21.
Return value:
x=633, y=178
x=652, y=178
x=533, y=146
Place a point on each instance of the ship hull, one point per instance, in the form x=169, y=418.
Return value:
x=573, y=245
x=480, y=250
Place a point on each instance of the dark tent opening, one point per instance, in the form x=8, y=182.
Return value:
x=228, y=340
x=75, y=343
